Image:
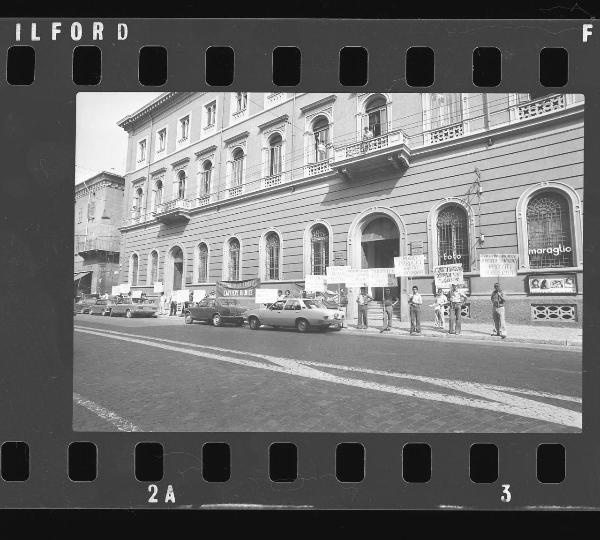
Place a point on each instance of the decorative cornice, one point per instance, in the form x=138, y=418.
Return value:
x=104, y=178
x=317, y=104
x=239, y=136
x=157, y=103
x=180, y=162
x=273, y=122
x=205, y=151
x=138, y=180
x=158, y=171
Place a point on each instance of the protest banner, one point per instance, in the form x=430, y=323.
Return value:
x=158, y=287
x=124, y=288
x=409, y=265
x=245, y=288
x=447, y=274
x=498, y=265
x=337, y=274
x=315, y=283
x=199, y=294
x=116, y=289
x=182, y=295
x=136, y=294
x=265, y=296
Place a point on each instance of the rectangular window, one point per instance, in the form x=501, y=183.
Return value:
x=238, y=172
x=161, y=143
x=91, y=210
x=241, y=101
x=141, y=151
x=80, y=215
x=211, y=114
x=184, y=128
x=275, y=160
x=205, y=185
x=446, y=109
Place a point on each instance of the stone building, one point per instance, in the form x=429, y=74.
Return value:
x=98, y=216
x=276, y=186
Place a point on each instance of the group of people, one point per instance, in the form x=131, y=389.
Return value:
x=454, y=300
x=167, y=305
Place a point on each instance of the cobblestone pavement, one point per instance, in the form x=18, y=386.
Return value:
x=163, y=375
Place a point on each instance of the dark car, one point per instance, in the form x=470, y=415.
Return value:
x=216, y=311
x=133, y=307
x=84, y=304
x=101, y=307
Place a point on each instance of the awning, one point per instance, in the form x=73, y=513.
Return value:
x=79, y=275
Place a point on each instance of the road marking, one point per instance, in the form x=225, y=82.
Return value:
x=113, y=418
x=501, y=402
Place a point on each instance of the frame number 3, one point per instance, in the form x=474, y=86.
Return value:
x=506, y=495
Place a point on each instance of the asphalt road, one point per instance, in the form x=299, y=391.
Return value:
x=163, y=375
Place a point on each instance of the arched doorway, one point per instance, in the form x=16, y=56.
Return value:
x=176, y=268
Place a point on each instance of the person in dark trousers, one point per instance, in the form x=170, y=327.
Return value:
x=415, y=301
x=173, y=307
x=363, y=300
x=498, y=311
x=389, y=302
x=456, y=299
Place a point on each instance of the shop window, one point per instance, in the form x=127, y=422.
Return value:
x=549, y=231
x=319, y=250
x=453, y=236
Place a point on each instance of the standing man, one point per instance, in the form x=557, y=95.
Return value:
x=367, y=136
x=363, y=300
x=162, y=302
x=498, y=314
x=415, y=301
x=456, y=299
x=388, y=309
x=173, y=306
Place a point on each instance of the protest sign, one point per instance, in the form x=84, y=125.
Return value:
x=447, y=274
x=337, y=274
x=245, y=288
x=116, y=289
x=498, y=265
x=313, y=283
x=381, y=277
x=124, y=288
x=158, y=287
x=409, y=265
x=182, y=295
x=199, y=294
x=136, y=294
x=265, y=296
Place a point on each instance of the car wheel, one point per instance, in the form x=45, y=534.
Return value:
x=216, y=320
x=188, y=319
x=128, y=314
x=302, y=325
x=254, y=323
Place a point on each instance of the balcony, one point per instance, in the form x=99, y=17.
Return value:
x=538, y=107
x=203, y=200
x=385, y=153
x=91, y=246
x=174, y=211
x=274, y=98
x=446, y=133
x=234, y=191
x=320, y=167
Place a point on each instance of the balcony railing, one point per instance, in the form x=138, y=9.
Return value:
x=235, y=191
x=539, y=107
x=238, y=115
x=177, y=204
x=445, y=133
x=386, y=140
x=203, y=200
x=320, y=167
x=97, y=244
x=273, y=180
x=274, y=98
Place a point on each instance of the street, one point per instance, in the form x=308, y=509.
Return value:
x=164, y=375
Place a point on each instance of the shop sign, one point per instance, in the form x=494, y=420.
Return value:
x=372, y=277
x=449, y=257
x=182, y=295
x=447, y=274
x=409, y=265
x=245, y=288
x=556, y=250
x=552, y=284
x=498, y=265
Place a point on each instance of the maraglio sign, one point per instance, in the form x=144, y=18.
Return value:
x=556, y=251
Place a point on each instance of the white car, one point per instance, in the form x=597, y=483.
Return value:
x=302, y=313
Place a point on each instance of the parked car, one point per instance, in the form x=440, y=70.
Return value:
x=133, y=307
x=102, y=307
x=302, y=313
x=216, y=311
x=85, y=302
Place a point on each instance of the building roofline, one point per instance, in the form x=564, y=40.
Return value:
x=117, y=178
x=157, y=102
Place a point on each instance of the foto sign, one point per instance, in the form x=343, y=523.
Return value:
x=498, y=265
x=409, y=265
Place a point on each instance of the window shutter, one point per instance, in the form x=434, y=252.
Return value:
x=383, y=121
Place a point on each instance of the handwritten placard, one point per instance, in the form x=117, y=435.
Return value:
x=498, y=264
x=314, y=283
x=266, y=296
x=158, y=286
x=337, y=274
x=409, y=265
x=447, y=274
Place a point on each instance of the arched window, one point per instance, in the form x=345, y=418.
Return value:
x=133, y=269
x=376, y=115
x=233, y=259
x=237, y=170
x=137, y=202
x=445, y=109
x=181, y=185
x=320, y=129
x=549, y=231
x=153, y=275
x=275, y=145
x=319, y=250
x=158, y=194
x=202, y=262
x=206, y=178
x=272, y=256
x=453, y=236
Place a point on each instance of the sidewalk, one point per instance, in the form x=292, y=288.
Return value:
x=532, y=334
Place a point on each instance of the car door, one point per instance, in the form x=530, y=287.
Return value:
x=224, y=308
x=272, y=315
x=291, y=310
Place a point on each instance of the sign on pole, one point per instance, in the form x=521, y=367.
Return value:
x=124, y=288
x=409, y=265
x=337, y=274
x=158, y=287
x=199, y=294
x=447, y=274
x=498, y=265
x=116, y=289
x=314, y=283
x=265, y=296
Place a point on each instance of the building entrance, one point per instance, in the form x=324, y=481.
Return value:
x=177, y=261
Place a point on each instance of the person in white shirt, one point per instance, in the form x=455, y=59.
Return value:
x=415, y=302
x=363, y=300
x=438, y=309
x=456, y=299
x=367, y=136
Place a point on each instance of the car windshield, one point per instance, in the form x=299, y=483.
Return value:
x=314, y=304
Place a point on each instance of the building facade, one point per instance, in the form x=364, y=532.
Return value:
x=277, y=186
x=98, y=216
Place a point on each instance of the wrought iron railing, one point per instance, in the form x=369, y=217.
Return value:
x=98, y=244
x=176, y=204
x=320, y=167
x=387, y=140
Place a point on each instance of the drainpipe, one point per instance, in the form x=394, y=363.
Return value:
x=150, y=146
x=292, y=138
